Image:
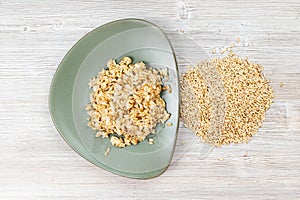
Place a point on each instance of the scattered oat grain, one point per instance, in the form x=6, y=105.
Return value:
x=151, y=141
x=222, y=51
x=281, y=84
x=181, y=31
x=107, y=152
x=169, y=124
x=214, y=51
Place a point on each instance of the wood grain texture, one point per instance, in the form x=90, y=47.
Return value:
x=35, y=162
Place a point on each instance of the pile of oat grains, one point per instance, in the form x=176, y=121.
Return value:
x=125, y=102
x=224, y=100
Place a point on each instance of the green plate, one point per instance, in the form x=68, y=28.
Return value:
x=69, y=93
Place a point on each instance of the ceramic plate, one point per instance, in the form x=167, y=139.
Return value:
x=69, y=93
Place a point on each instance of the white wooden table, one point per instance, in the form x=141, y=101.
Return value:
x=35, y=162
